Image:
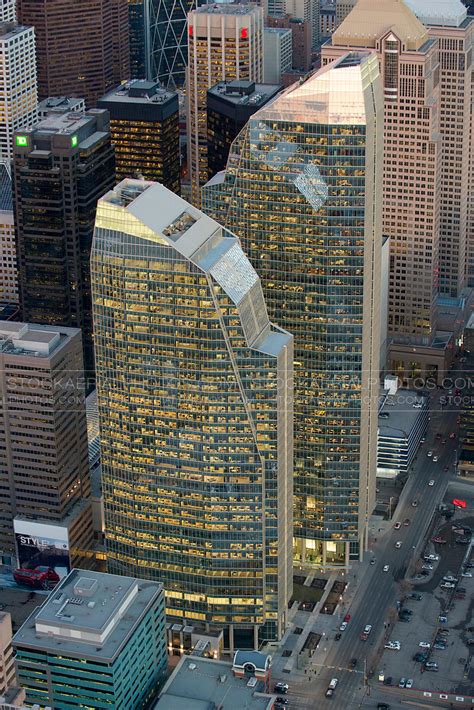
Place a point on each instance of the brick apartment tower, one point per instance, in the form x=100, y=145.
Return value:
x=82, y=46
x=225, y=43
x=410, y=70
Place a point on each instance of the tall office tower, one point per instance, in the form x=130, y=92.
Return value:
x=302, y=190
x=7, y=10
x=301, y=39
x=101, y=646
x=195, y=414
x=225, y=43
x=343, y=8
x=7, y=664
x=412, y=176
x=60, y=169
x=82, y=47
x=18, y=97
x=8, y=262
x=278, y=54
x=159, y=40
x=447, y=21
x=308, y=11
x=44, y=453
x=144, y=129
x=229, y=107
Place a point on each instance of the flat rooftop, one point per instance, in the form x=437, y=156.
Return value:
x=204, y=684
x=67, y=123
x=226, y=8
x=40, y=341
x=139, y=92
x=241, y=93
x=11, y=29
x=402, y=415
x=89, y=615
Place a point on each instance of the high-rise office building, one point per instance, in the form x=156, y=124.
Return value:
x=194, y=390
x=225, y=43
x=144, y=129
x=410, y=70
x=60, y=169
x=308, y=11
x=18, y=96
x=343, y=8
x=7, y=664
x=44, y=452
x=8, y=260
x=229, y=107
x=97, y=642
x=159, y=40
x=82, y=47
x=301, y=39
x=278, y=54
x=449, y=24
x=302, y=190
x=60, y=104
x=7, y=10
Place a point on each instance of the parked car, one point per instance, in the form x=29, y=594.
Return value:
x=366, y=631
x=402, y=683
x=439, y=646
x=432, y=482
x=424, y=644
x=466, y=574
x=38, y=578
x=430, y=558
x=388, y=681
x=415, y=503
x=409, y=683
x=347, y=617
x=397, y=526
x=420, y=657
x=332, y=687
x=430, y=567
x=398, y=543
x=406, y=522
x=463, y=540
x=343, y=626
x=449, y=578
x=447, y=585
x=431, y=666
x=281, y=688
x=393, y=645
x=430, y=453
x=337, y=637
x=416, y=595
x=439, y=540
x=386, y=568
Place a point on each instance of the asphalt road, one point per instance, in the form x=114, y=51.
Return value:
x=379, y=590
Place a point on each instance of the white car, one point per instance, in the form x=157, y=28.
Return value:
x=466, y=574
x=430, y=567
x=409, y=683
x=343, y=626
x=386, y=568
x=432, y=482
x=331, y=688
x=449, y=578
x=447, y=585
x=430, y=453
x=398, y=543
x=393, y=645
x=397, y=526
x=424, y=644
x=435, y=458
x=434, y=558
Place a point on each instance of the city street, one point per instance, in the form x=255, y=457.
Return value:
x=378, y=590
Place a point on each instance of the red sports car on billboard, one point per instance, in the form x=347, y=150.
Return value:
x=39, y=577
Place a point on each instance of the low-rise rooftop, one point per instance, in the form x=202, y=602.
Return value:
x=204, y=684
x=89, y=615
x=397, y=415
x=40, y=341
x=241, y=92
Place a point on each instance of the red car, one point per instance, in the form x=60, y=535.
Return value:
x=347, y=617
x=439, y=540
x=39, y=577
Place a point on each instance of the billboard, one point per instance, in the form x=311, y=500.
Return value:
x=42, y=544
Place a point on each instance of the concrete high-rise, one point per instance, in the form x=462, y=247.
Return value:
x=225, y=43
x=448, y=23
x=8, y=260
x=195, y=407
x=44, y=451
x=60, y=169
x=144, y=129
x=412, y=179
x=7, y=10
x=343, y=8
x=82, y=47
x=18, y=92
x=303, y=191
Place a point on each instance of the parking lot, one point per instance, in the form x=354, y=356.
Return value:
x=455, y=662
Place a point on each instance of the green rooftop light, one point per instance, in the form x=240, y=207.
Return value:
x=21, y=141
x=74, y=141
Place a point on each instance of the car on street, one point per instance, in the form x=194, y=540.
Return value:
x=281, y=688
x=415, y=503
x=38, y=578
x=402, y=682
x=447, y=585
x=439, y=540
x=406, y=522
x=449, y=578
x=424, y=644
x=366, y=631
x=398, y=543
x=463, y=540
x=470, y=642
x=461, y=590
x=430, y=558
x=343, y=626
x=416, y=595
x=466, y=574
x=331, y=687
x=282, y=701
x=393, y=645
x=337, y=637
x=347, y=617
x=397, y=526
x=383, y=706
x=373, y=561
x=386, y=568
x=409, y=683
x=435, y=458
x=430, y=567
x=452, y=435
x=431, y=483
x=353, y=663
x=430, y=453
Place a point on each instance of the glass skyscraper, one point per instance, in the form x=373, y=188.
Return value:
x=195, y=407
x=302, y=191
